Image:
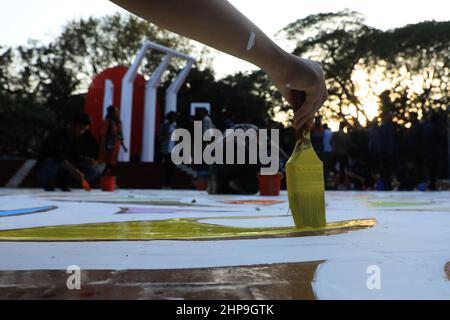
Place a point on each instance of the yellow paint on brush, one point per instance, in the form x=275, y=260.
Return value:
x=173, y=229
x=305, y=186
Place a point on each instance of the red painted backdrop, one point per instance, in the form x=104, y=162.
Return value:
x=94, y=104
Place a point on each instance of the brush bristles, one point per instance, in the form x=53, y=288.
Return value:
x=308, y=208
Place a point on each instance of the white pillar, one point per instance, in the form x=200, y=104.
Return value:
x=126, y=103
x=108, y=97
x=172, y=91
x=149, y=135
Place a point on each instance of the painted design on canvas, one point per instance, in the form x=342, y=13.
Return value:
x=19, y=212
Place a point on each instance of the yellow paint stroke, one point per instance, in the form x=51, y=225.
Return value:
x=173, y=229
x=255, y=202
x=398, y=203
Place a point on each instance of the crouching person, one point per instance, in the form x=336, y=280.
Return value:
x=232, y=177
x=67, y=156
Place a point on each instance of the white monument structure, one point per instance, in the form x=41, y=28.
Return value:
x=126, y=103
x=200, y=105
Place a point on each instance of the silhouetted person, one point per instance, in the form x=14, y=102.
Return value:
x=230, y=120
x=166, y=146
x=387, y=150
x=359, y=146
x=206, y=119
x=111, y=139
x=374, y=146
x=340, y=142
x=408, y=176
x=66, y=158
x=412, y=144
x=432, y=140
x=327, y=150
x=317, y=136
x=235, y=178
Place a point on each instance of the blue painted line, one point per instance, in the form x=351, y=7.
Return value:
x=18, y=212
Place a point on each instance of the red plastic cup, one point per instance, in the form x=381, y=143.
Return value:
x=108, y=183
x=270, y=185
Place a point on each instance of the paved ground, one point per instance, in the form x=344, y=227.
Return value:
x=153, y=250
x=276, y=281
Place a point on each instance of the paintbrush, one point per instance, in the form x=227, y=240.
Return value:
x=305, y=179
x=85, y=185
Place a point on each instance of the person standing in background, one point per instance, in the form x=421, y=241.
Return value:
x=387, y=153
x=111, y=139
x=412, y=150
x=340, y=142
x=327, y=150
x=432, y=140
x=207, y=122
x=317, y=136
x=166, y=146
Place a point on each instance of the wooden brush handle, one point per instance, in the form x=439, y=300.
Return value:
x=298, y=98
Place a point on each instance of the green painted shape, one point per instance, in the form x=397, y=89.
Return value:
x=397, y=203
x=173, y=229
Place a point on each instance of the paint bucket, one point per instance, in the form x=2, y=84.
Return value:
x=379, y=186
x=108, y=183
x=270, y=185
x=422, y=187
x=201, y=182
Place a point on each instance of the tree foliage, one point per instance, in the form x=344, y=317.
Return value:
x=412, y=61
x=41, y=85
x=367, y=70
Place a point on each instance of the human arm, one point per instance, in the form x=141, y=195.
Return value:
x=74, y=172
x=218, y=24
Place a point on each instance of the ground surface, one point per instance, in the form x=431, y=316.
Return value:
x=158, y=244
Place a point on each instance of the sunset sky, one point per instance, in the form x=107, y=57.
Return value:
x=21, y=20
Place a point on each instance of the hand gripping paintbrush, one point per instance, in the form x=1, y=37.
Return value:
x=305, y=180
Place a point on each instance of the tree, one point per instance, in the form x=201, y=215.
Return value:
x=361, y=63
x=417, y=59
x=40, y=83
x=95, y=44
x=339, y=41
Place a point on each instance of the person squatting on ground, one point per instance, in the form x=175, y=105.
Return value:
x=65, y=158
x=236, y=178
